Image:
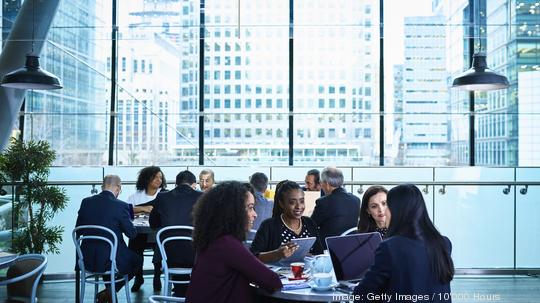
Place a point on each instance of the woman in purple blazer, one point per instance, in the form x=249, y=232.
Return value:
x=224, y=268
x=414, y=263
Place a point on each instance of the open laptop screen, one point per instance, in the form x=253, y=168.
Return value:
x=353, y=255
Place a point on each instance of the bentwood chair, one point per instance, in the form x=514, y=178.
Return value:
x=25, y=267
x=161, y=242
x=96, y=233
x=349, y=231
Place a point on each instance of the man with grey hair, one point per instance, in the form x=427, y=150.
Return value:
x=104, y=209
x=338, y=210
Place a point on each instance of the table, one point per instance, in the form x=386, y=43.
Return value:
x=307, y=294
x=303, y=294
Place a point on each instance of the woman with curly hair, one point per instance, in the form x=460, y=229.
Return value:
x=373, y=211
x=273, y=239
x=150, y=182
x=224, y=268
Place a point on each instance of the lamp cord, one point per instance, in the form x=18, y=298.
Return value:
x=33, y=24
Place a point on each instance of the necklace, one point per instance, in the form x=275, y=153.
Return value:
x=295, y=230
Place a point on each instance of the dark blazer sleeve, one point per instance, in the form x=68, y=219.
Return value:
x=155, y=219
x=319, y=213
x=263, y=238
x=125, y=221
x=317, y=247
x=377, y=277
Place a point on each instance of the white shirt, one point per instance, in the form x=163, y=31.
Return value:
x=140, y=197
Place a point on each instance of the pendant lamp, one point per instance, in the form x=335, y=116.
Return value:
x=479, y=77
x=31, y=76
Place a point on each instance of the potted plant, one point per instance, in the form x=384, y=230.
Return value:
x=26, y=164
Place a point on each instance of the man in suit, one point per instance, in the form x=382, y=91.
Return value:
x=263, y=207
x=175, y=208
x=338, y=210
x=106, y=210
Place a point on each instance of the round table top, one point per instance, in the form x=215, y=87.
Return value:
x=308, y=295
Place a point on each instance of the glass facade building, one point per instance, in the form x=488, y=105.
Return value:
x=283, y=83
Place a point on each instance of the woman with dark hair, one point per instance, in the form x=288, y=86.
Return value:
x=224, y=268
x=373, y=211
x=273, y=239
x=150, y=182
x=414, y=262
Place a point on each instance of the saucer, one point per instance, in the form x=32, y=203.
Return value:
x=322, y=288
x=303, y=277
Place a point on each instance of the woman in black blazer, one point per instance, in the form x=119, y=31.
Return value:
x=273, y=239
x=414, y=263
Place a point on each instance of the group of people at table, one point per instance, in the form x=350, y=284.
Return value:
x=414, y=260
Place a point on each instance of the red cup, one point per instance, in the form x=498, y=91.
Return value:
x=297, y=268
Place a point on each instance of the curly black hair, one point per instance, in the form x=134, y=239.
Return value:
x=220, y=211
x=147, y=174
x=281, y=189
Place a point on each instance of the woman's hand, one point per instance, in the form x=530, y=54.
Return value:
x=286, y=250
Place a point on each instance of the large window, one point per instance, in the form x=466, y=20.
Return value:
x=75, y=119
x=287, y=82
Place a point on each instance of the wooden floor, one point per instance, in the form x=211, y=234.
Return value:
x=501, y=289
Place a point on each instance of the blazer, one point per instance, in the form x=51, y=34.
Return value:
x=335, y=213
x=268, y=236
x=106, y=210
x=402, y=269
x=174, y=208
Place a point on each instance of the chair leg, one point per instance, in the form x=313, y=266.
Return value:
x=96, y=288
x=128, y=295
x=82, y=282
x=165, y=283
x=112, y=289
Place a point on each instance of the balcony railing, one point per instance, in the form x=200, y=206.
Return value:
x=491, y=215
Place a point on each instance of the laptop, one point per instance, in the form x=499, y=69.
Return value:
x=352, y=256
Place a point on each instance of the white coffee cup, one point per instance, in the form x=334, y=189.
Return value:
x=322, y=279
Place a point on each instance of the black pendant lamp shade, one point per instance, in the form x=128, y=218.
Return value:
x=31, y=76
x=479, y=77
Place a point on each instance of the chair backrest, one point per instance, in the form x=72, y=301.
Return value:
x=174, y=228
x=349, y=231
x=23, y=276
x=157, y=299
x=92, y=232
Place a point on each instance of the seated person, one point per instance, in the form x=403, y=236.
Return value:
x=224, y=268
x=104, y=209
x=263, y=207
x=313, y=181
x=150, y=182
x=415, y=260
x=373, y=211
x=273, y=239
x=206, y=179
